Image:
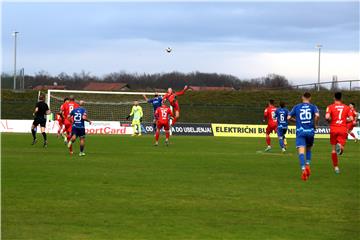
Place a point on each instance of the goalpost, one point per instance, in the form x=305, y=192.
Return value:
x=103, y=105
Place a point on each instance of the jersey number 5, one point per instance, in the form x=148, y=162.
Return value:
x=163, y=114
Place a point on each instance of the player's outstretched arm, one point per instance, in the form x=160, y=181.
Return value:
x=182, y=92
x=85, y=118
x=146, y=99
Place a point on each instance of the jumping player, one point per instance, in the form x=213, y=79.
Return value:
x=338, y=114
x=281, y=115
x=351, y=125
x=137, y=114
x=307, y=117
x=171, y=96
x=78, y=116
x=269, y=117
x=66, y=109
x=163, y=115
x=41, y=109
x=155, y=102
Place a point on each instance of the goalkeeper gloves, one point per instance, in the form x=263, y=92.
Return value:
x=128, y=117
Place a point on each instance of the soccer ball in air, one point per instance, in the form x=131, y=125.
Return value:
x=168, y=50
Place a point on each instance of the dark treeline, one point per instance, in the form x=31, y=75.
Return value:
x=157, y=81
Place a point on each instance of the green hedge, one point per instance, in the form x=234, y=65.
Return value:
x=201, y=107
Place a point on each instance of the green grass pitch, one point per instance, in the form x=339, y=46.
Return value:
x=197, y=188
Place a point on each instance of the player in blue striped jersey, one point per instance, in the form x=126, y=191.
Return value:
x=281, y=115
x=307, y=117
x=78, y=117
x=155, y=102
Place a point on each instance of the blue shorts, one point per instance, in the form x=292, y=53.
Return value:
x=281, y=132
x=78, y=132
x=304, y=139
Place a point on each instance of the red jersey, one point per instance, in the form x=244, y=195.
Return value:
x=67, y=107
x=162, y=114
x=62, y=110
x=353, y=113
x=171, y=97
x=338, y=112
x=269, y=115
x=58, y=117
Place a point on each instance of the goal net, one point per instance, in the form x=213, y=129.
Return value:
x=104, y=106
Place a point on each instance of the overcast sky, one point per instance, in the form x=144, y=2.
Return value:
x=240, y=38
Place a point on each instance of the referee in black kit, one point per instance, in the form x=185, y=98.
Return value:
x=41, y=109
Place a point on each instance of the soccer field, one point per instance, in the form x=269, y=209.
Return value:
x=197, y=188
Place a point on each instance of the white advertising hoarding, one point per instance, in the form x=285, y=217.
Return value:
x=97, y=127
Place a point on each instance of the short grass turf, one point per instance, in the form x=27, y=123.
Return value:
x=197, y=188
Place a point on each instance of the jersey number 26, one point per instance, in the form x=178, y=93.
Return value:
x=305, y=114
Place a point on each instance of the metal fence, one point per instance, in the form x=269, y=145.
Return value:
x=350, y=85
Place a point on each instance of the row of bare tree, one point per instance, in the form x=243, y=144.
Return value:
x=154, y=81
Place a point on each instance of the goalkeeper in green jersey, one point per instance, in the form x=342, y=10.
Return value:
x=137, y=115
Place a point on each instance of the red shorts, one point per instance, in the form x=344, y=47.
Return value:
x=175, y=107
x=338, y=137
x=68, y=126
x=161, y=125
x=271, y=128
x=350, y=126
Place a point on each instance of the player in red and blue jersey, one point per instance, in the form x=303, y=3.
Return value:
x=281, y=115
x=269, y=117
x=78, y=117
x=155, y=102
x=307, y=117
